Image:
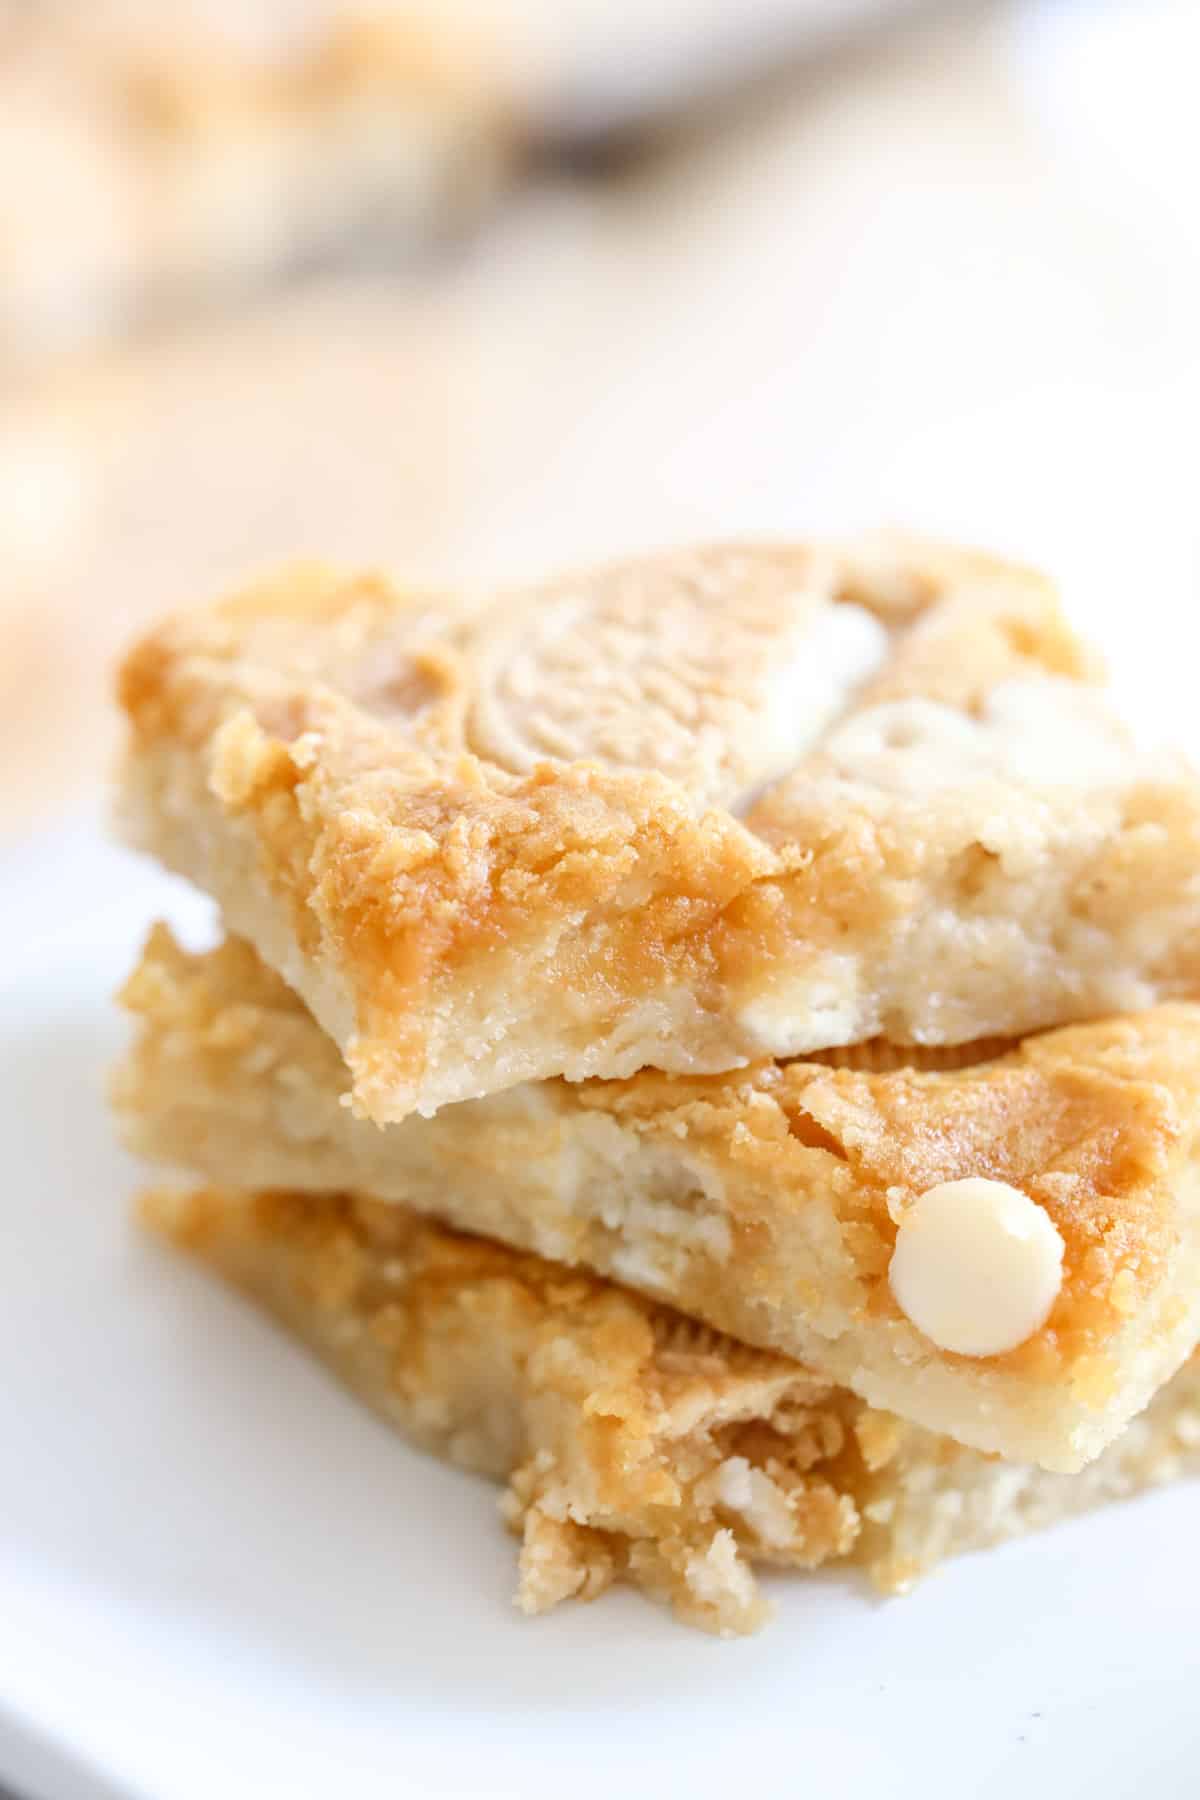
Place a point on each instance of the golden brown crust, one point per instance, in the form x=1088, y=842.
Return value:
x=634, y=1443
x=492, y=842
x=765, y=1202
x=611, y=1419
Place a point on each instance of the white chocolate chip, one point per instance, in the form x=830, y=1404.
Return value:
x=804, y=1009
x=977, y=1266
x=837, y=651
x=1041, y=732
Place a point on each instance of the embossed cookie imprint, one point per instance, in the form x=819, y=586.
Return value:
x=718, y=670
x=682, y=812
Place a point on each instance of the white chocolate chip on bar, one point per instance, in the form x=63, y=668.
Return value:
x=1039, y=732
x=977, y=1266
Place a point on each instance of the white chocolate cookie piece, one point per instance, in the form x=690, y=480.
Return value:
x=646, y=673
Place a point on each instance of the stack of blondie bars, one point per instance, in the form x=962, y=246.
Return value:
x=706, y=1042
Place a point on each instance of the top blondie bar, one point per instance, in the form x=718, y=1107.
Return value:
x=683, y=812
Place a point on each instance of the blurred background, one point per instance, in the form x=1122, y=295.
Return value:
x=469, y=288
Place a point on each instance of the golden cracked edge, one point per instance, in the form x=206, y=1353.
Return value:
x=765, y=1202
x=684, y=812
x=635, y=1444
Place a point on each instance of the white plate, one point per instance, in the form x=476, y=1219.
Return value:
x=219, y=1578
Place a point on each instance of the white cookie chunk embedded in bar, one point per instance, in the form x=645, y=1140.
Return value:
x=771, y=1203
x=635, y=1444
x=680, y=813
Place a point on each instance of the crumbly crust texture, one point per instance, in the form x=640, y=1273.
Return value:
x=634, y=1443
x=680, y=813
x=765, y=1202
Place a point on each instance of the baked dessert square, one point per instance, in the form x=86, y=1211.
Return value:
x=157, y=158
x=634, y=1444
x=684, y=813
x=1005, y=1249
